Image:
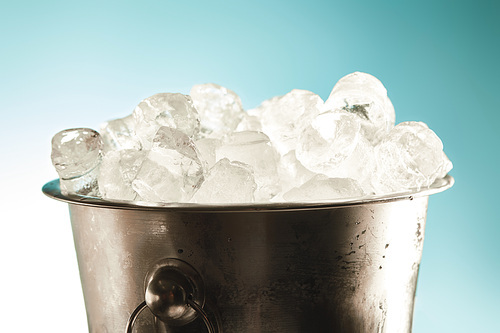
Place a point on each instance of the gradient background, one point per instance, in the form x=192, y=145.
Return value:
x=70, y=64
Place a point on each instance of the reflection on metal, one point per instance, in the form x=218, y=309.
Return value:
x=174, y=294
x=169, y=284
x=296, y=267
x=134, y=315
x=203, y=315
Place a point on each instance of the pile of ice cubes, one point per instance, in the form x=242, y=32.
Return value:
x=205, y=148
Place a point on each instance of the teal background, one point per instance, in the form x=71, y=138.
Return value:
x=70, y=64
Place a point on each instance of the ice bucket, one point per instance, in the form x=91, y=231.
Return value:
x=339, y=266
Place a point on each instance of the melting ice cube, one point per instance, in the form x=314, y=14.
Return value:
x=119, y=134
x=365, y=96
x=172, y=170
x=254, y=149
x=207, y=148
x=249, y=122
x=227, y=182
x=283, y=118
x=76, y=155
x=291, y=172
x=166, y=109
x=335, y=146
x=220, y=109
x=321, y=188
x=118, y=170
x=411, y=156
x=291, y=147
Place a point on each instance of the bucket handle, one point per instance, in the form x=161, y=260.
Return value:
x=174, y=294
x=196, y=307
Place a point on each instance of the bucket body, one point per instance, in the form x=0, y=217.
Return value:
x=330, y=268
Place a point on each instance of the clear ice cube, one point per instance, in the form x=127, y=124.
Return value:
x=165, y=109
x=227, y=182
x=320, y=188
x=292, y=147
x=410, y=157
x=291, y=172
x=334, y=145
x=365, y=96
x=76, y=155
x=119, y=134
x=283, y=118
x=254, y=149
x=207, y=148
x=249, y=122
x=172, y=170
x=118, y=170
x=219, y=108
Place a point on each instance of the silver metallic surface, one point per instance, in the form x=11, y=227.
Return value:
x=299, y=267
x=173, y=288
x=133, y=317
x=203, y=315
x=169, y=284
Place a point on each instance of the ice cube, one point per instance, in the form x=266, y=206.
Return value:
x=365, y=96
x=165, y=109
x=249, y=122
x=118, y=170
x=320, y=188
x=219, y=108
x=410, y=157
x=119, y=134
x=334, y=145
x=283, y=118
x=445, y=167
x=207, y=147
x=172, y=170
x=162, y=153
x=76, y=155
x=227, y=182
x=291, y=172
x=254, y=149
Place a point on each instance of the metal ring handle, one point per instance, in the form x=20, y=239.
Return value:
x=134, y=315
x=174, y=294
x=203, y=315
x=199, y=310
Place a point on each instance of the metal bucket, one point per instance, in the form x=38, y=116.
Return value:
x=347, y=266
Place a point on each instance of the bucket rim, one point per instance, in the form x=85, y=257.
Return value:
x=52, y=190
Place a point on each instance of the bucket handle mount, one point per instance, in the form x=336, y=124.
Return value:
x=174, y=294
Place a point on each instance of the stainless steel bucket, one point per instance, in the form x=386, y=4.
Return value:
x=347, y=266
